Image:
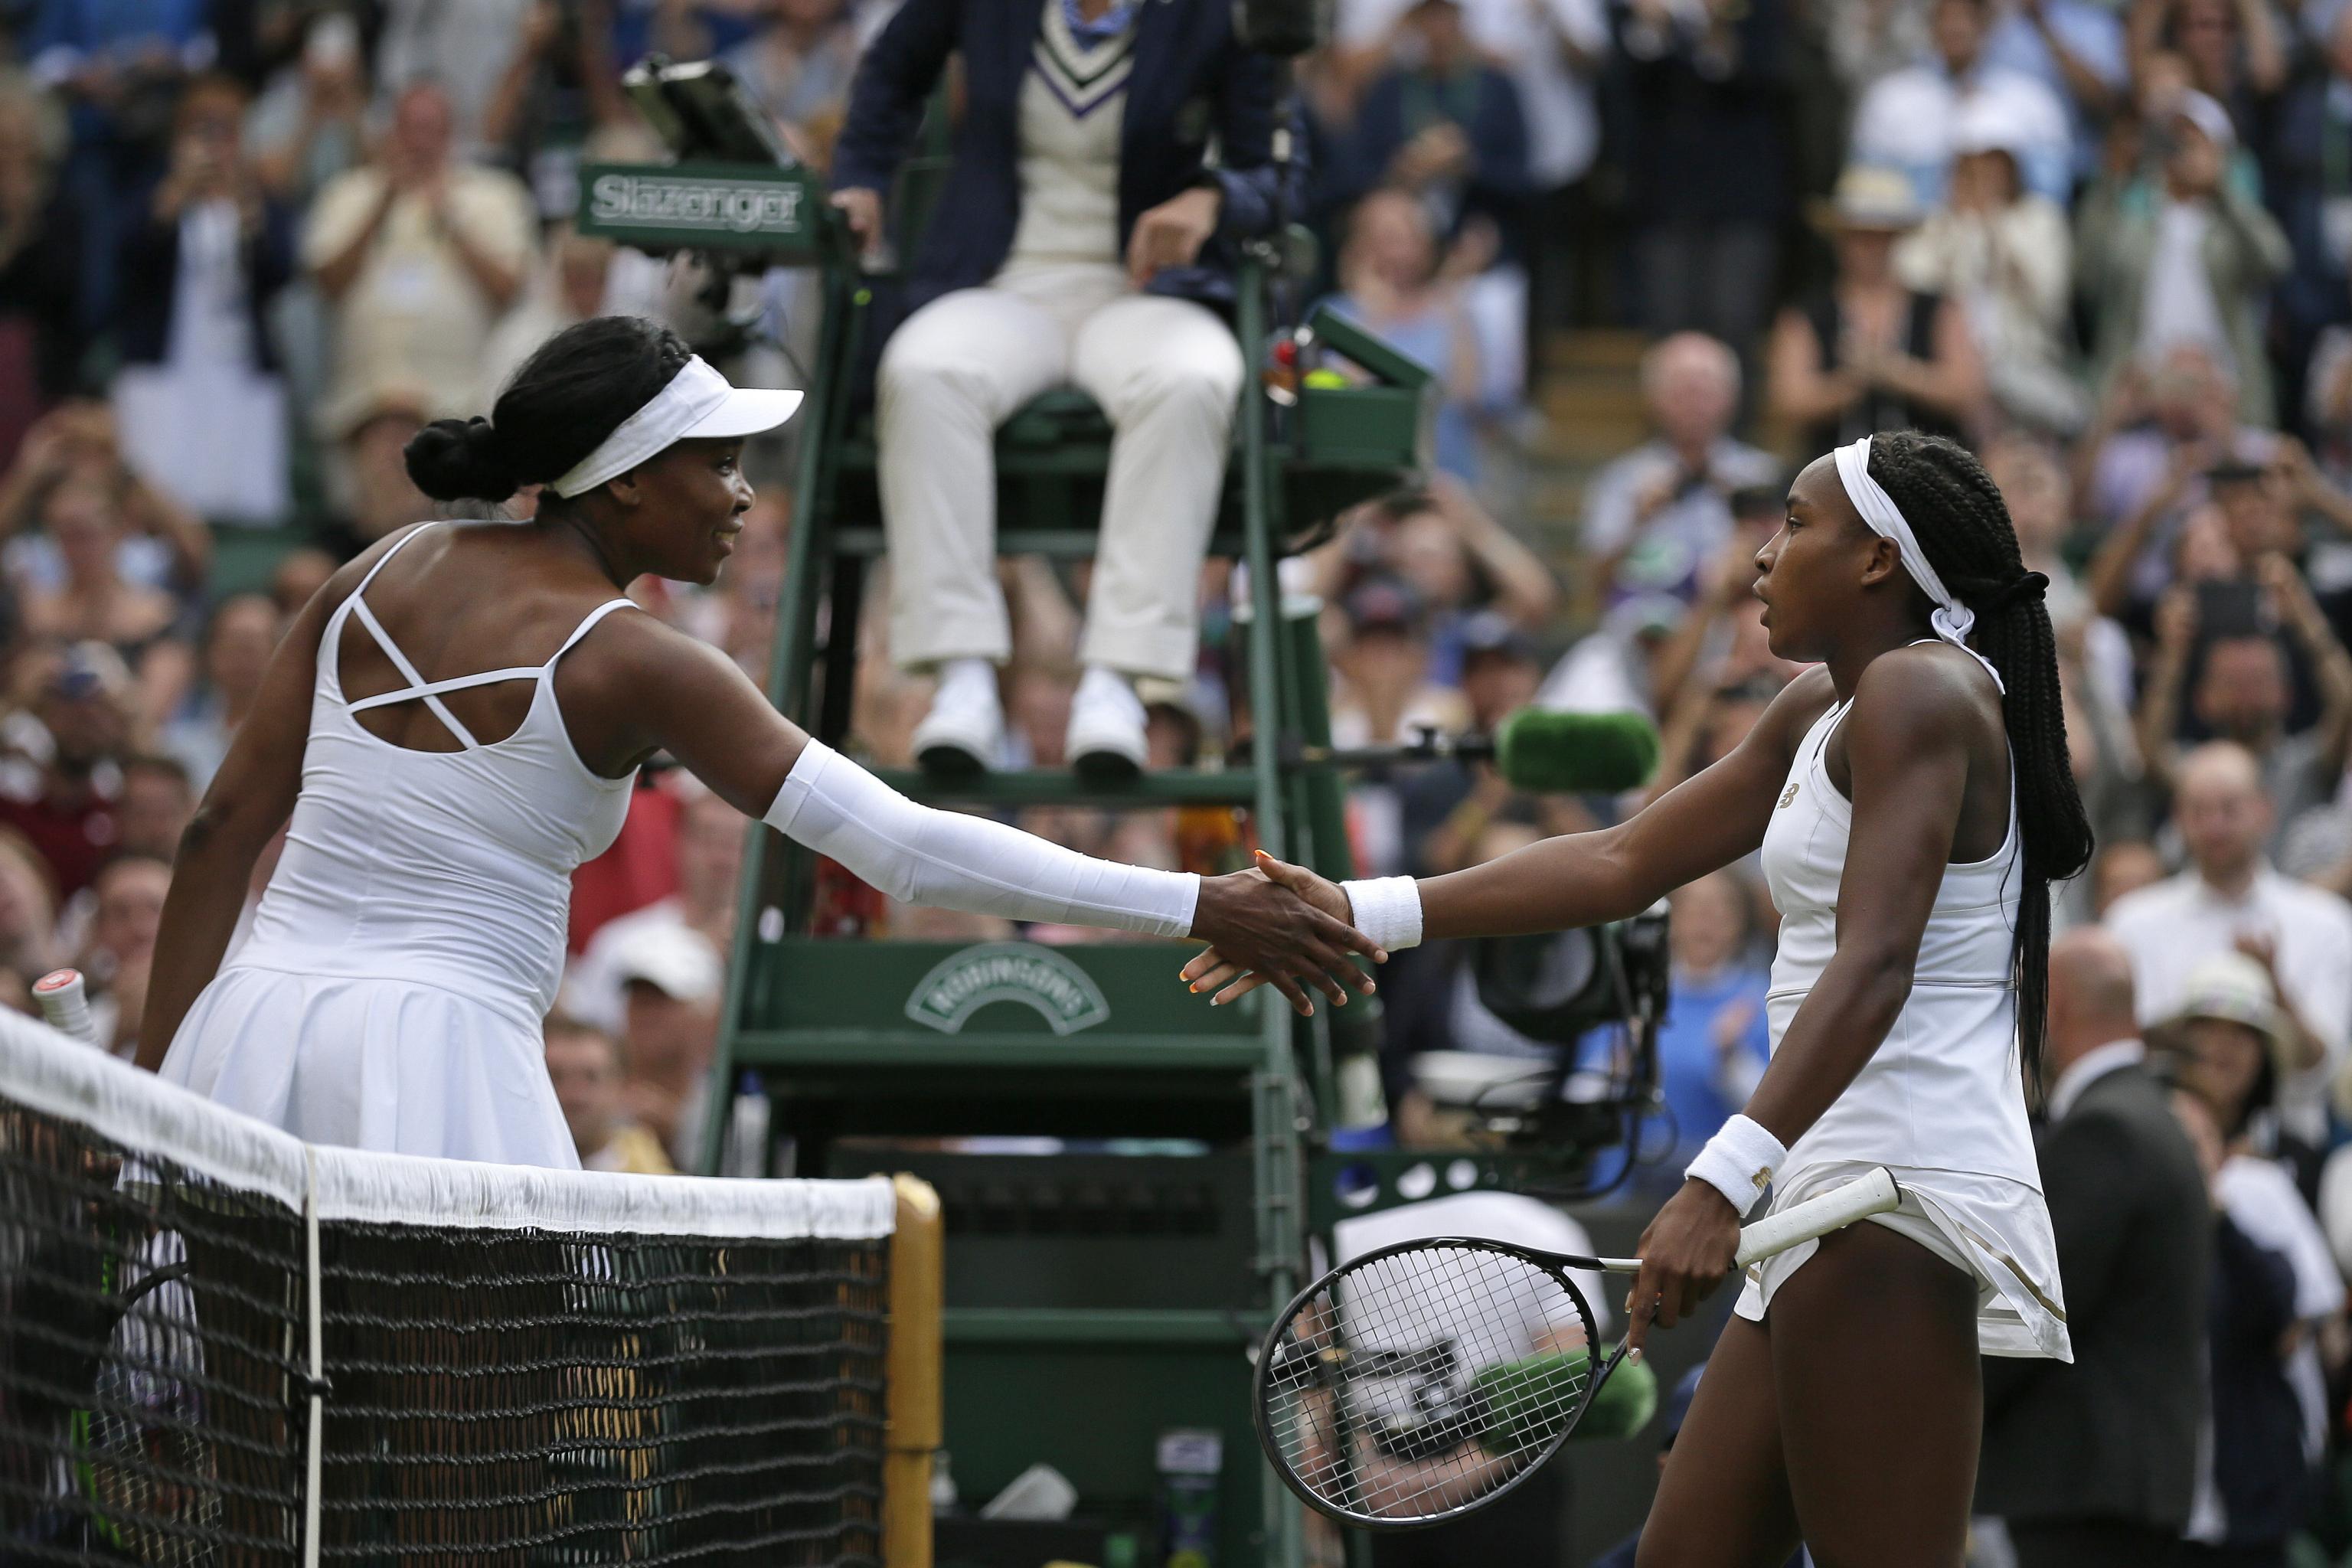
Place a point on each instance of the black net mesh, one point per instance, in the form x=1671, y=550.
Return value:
x=1419, y=1382
x=495, y=1396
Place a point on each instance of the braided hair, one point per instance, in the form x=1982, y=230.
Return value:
x=1964, y=530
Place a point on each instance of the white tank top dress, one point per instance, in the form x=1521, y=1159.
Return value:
x=411, y=943
x=1942, y=1101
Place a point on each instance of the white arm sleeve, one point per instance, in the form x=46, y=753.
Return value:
x=924, y=856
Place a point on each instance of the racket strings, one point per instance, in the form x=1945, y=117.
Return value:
x=1416, y=1383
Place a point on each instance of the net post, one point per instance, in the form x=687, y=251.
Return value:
x=911, y=1373
x=312, y=1437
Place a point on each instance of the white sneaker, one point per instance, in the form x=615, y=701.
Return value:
x=1105, y=736
x=964, y=730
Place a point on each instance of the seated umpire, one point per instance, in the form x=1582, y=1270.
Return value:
x=1082, y=237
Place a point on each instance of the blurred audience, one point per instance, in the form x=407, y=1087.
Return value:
x=1871, y=352
x=591, y=1078
x=2231, y=900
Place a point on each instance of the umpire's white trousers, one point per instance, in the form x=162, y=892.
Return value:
x=1168, y=373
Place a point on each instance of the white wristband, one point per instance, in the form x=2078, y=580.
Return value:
x=1740, y=1162
x=1387, y=910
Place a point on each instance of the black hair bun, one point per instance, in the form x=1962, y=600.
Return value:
x=462, y=459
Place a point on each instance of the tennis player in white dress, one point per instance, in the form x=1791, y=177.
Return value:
x=453, y=725
x=1913, y=801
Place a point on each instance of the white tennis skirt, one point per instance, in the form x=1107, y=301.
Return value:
x=1995, y=1230
x=387, y=1065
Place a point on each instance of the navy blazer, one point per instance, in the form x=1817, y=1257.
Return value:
x=1192, y=82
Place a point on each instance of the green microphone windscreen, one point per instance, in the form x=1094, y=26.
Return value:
x=1526, y=1400
x=1576, y=753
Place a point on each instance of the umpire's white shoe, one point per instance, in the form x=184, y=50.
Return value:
x=1105, y=736
x=964, y=730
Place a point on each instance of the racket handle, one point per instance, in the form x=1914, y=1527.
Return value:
x=1873, y=1194
x=66, y=1004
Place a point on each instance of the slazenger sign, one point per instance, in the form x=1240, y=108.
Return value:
x=657, y=199
x=1038, y=978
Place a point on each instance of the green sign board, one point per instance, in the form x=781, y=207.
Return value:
x=1037, y=977
x=735, y=206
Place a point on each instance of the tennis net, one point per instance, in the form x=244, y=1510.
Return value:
x=221, y=1345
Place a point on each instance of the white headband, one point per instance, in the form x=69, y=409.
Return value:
x=1951, y=620
x=698, y=402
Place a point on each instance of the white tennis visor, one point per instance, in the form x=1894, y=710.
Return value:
x=697, y=405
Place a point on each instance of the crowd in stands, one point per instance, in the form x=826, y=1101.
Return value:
x=248, y=246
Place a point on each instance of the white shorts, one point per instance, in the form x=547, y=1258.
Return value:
x=1992, y=1228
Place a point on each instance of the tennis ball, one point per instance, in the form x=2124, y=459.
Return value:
x=1324, y=378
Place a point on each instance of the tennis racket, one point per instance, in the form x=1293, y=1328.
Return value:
x=1424, y=1380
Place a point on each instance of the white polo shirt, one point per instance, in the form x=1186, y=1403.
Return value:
x=2170, y=927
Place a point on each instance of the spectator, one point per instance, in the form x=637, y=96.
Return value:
x=1907, y=119
x=1446, y=805
x=2229, y=50
x=41, y=246
x=126, y=909
x=1654, y=517
x=463, y=51
x=1710, y=174
x=95, y=603
x=2004, y=253
x=569, y=285
x=2185, y=255
x=2254, y=1483
x=418, y=255
x=76, y=444
x=559, y=89
x=372, y=428
x=1390, y=282
x=2238, y=1046
x=307, y=127
x=68, y=806
x=2303, y=184
x=201, y=259
x=2122, y=866
x=710, y=857
x=799, y=63
x=1461, y=564
x=1553, y=52
x=237, y=644
x=29, y=910
x=1714, y=1042
x=2230, y=900
x=1446, y=126
x=671, y=982
x=2077, y=50
x=157, y=801
x=2243, y=693
x=1870, y=353
x=2133, y=449
x=2091, y=1463
x=1384, y=668
x=1067, y=246
x=586, y=1065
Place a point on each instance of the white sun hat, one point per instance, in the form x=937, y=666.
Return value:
x=699, y=405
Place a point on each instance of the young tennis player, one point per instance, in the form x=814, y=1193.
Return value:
x=1913, y=801
x=453, y=723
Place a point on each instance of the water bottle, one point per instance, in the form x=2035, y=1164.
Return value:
x=943, y=1487
x=747, y=1140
